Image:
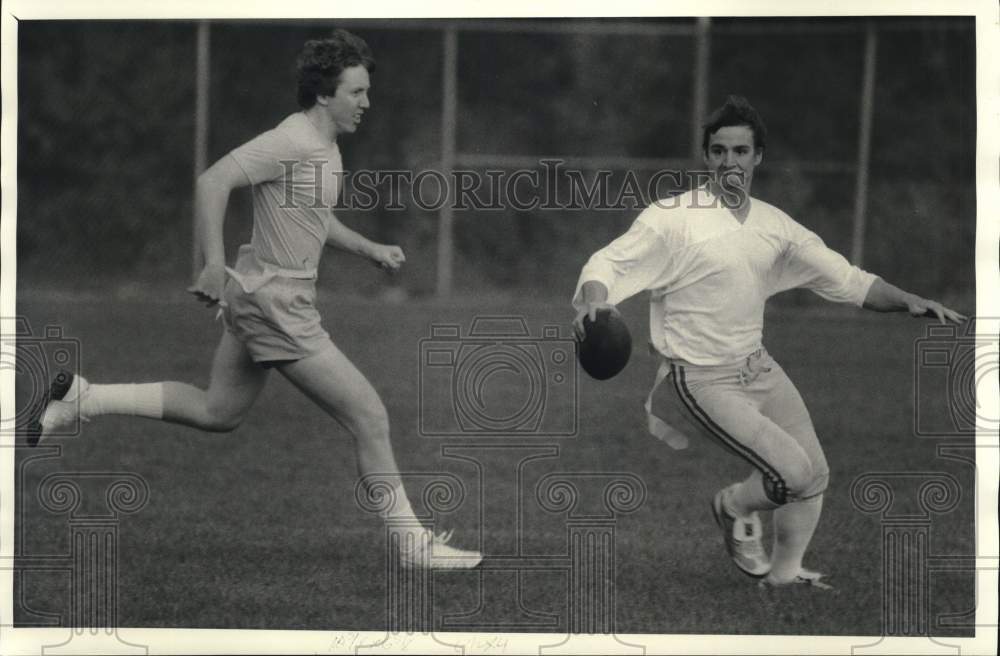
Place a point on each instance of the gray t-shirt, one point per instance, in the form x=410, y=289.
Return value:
x=296, y=176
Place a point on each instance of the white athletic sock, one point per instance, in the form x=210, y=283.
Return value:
x=143, y=400
x=399, y=515
x=748, y=496
x=794, y=525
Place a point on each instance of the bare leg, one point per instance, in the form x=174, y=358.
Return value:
x=235, y=384
x=336, y=385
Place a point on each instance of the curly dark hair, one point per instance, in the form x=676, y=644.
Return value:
x=323, y=60
x=736, y=111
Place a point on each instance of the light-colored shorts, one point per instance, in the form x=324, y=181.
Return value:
x=278, y=322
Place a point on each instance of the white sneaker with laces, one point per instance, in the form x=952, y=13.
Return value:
x=432, y=551
x=742, y=537
x=805, y=577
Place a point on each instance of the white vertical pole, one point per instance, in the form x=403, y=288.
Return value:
x=699, y=109
x=201, y=71
x=449, y=112
x=864, y=145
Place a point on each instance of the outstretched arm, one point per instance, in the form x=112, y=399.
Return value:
x=883, y=297
x=384, y=256
x=811, y=264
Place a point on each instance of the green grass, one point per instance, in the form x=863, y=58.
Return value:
x=259, y=528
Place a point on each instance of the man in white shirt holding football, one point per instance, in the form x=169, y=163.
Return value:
x=711, y=258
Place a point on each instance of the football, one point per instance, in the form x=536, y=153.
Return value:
x=606, y=346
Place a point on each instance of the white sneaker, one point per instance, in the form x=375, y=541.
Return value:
x=432, y=551
x=805, y=577
x=62, y=410
x=742, y=537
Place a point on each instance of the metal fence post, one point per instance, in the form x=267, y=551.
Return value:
x=864, y=145
x=449, y=113
x=201, y=68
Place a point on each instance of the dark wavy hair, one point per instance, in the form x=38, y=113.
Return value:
x=736, y=111
x=323, y=60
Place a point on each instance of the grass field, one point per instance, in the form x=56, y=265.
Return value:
x=259, y=527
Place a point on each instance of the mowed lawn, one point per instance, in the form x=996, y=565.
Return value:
x=259, y=528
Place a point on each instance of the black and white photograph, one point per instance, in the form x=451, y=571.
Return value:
x=500, y=328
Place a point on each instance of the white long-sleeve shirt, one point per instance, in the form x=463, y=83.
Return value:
x=710, y=276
